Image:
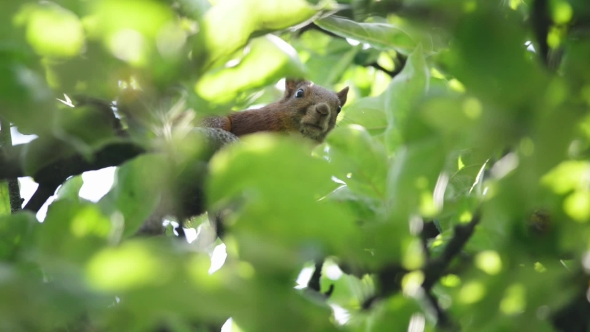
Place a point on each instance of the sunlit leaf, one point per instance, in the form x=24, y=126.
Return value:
x=361, y=159
x=71, y=188
x=72, y=230
x=269, y=59
x=129, y=28
x=379, y=35
x=54, y=31
x=4, y=199
x=230, y=23
x=367, y=112
x=268, y=174
x=402, y=94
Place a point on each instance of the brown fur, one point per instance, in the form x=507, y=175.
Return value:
x=313, y=115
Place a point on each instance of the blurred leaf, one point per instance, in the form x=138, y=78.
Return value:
x=364, y=207
x=135, y=193
x=42, y=152
x=25, y=99
x=53, y=30
x=379, y=35
x=401, y=96
x=15, y=232
x=367, y=112
x=4, y=199
x=414, y=171
x=489, y=54
x=72, y=231
x=566, y=176
x=361, y=159
x=194, y=9
x=71, y=188
x=129, y=29
x=276, y=58
x=326, y=69
x=73, y=128
x=279, y=182
x=132, y=265
x=230, y=23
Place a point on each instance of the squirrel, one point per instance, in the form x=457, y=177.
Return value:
x=305, y=108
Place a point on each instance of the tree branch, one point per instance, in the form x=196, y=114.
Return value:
x=57, y=172
x=13, y=188
x=436, y=267
x=314, y=281
x=43, y=192
x=54, y=174
x=541, y=21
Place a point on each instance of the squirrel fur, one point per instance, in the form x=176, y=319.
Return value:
x=305, y=108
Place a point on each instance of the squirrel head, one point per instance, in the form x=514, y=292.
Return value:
x=314, y=108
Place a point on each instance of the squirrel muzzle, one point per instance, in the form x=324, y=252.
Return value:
x=318, y=121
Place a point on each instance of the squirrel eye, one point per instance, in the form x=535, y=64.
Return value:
x=299, y=93
x=339, y=109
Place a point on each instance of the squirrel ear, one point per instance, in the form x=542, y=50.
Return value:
x=290, y=85
x=342, y=96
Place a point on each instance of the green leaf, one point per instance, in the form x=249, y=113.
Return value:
x=270, y=59
x=362, y=160
x=136, y=191
x=71, y=188
x=402, y=94
x=15, y=231
x=368, y=112
x=230, y=23
x=4, y=199
x=194, y=9
x=72, y=231
x=327, y=69
x=131, y=29
x=412, y=176
x=279, y=182
x=25, y=98
x=54, y=31
x=496, y=53
x=381, y=36
x=364, y=207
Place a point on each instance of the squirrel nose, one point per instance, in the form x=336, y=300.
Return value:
x=322, y=109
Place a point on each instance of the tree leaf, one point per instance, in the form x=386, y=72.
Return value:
x=361, y=159
x=15, y=232
x=4, y=199
x=230, y=23
x=402, y=94
x=136, y=191
x=71, y=188
x=368, y=112
x=270, y=59
x=72, y=231
x=381, y=36
x=277, y=183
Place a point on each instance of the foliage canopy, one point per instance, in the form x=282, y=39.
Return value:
x=454, y=193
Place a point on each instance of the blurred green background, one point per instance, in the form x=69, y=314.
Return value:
x=454, y=193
